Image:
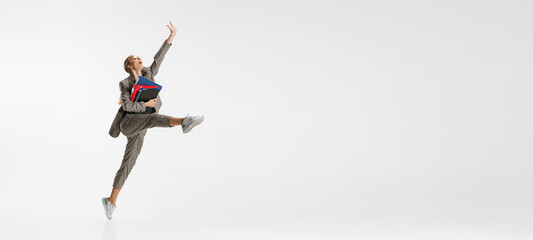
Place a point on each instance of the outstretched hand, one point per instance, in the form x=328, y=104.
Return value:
x=173, y=32
x=172, y=28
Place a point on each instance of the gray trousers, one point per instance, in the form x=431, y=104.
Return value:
x=134, y=127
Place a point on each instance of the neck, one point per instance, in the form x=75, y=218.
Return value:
x=139, y=73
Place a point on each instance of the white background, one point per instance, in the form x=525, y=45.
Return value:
x=323, y=120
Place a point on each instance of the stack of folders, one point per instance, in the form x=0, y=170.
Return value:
x=144, y=91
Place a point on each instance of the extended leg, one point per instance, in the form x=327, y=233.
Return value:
x=133, y=149
x=131, y=124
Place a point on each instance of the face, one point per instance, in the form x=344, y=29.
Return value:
x=136, y=62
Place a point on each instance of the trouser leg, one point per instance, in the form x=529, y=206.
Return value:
x=134, y=127
x=132, y=124
x=133, y=149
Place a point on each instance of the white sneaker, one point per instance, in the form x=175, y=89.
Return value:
x=108, y=207
x=190, y=122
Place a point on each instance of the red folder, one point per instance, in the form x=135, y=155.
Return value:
x=136, y=89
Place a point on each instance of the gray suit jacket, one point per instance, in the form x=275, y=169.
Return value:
x=125, y=91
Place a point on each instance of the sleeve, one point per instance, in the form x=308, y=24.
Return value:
x=127, y=104
x=159, y=56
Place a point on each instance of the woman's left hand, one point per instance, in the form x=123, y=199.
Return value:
x=173, y=29
x=173, y=32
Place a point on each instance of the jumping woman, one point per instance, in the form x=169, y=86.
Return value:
x=134, y=118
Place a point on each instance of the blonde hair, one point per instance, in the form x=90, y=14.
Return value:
x=127, y=69
x=127, y=63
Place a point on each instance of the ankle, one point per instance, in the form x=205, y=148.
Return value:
x=176, y=121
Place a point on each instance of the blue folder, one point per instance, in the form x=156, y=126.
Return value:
x=144, y=81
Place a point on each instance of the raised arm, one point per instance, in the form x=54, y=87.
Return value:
x=158, y=58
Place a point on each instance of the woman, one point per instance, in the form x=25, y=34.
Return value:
x=133, y=123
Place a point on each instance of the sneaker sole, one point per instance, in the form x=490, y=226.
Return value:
x=193, y=124
x=105, y=209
